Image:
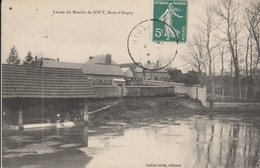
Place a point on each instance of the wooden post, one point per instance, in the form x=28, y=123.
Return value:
x=85, y=111
x=20, y=115
x=85, y=136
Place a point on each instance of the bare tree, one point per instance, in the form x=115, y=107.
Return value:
x=252, y=19
x=222, y=51
x=196, y=54
x=228, y=11
x=208, y=29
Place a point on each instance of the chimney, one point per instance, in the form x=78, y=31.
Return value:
x=90, y=57
x=58, y=59
x=157, y=63
x=108, y=59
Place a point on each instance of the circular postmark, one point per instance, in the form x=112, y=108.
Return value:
x=145, y=47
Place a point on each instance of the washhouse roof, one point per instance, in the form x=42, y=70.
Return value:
x=42, y=82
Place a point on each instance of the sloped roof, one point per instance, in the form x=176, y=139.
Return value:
x=125, y=69
x=95, y=67
x=100, y=59
x=98, y=69
x=138, y=69
x=42, y=82
x=132, y=66
x=58, y=64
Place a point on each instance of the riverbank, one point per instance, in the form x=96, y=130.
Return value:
x=135, y=109
x=130, y=110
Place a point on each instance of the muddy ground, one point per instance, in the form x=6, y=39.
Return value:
x=135, y=109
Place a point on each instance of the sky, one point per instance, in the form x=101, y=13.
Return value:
x=37, y=26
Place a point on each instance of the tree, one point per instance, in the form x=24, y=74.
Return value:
x=28, y=59
x=228, y=11
x=13, y=57
x=208, y=29
x=221, y=52
x=252, y=19
x=196, y=57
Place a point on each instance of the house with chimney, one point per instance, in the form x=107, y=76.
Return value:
x=105, y=74
x=152, y=74
x=100, y=70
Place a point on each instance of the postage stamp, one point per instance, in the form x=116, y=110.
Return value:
x=174, y=14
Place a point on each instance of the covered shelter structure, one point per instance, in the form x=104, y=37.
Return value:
x=37, y=94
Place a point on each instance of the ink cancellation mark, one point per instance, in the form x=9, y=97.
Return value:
x=146, y=53
x=174, y=14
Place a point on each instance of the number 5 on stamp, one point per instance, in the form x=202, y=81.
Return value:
x=173, y=14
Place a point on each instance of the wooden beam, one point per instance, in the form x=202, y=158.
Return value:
x=85, y=111
x=85, y=136
x=20, y=115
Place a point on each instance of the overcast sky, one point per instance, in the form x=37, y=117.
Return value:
x=31, y=25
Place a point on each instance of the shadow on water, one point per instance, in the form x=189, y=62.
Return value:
x=46, y=147
x=197, y=141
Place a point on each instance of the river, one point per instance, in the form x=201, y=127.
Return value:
x=187, y=142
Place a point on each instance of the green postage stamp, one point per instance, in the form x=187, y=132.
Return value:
x=172, y=20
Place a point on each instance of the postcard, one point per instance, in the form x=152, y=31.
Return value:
x=130, y=83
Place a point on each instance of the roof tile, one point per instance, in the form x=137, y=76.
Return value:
x=43, y=82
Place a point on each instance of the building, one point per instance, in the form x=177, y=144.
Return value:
x=128, y=73
x=131, y=66
x=101, y=70
x=38, y=94
x=152, y=74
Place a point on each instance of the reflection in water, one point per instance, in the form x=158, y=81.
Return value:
x=196, y=142
x=232, y=144
x=193, y=142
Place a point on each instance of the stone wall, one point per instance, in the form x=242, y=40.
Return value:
x=132, y=91
x=155, y=88
x=193, y=91
x=149, y=91
x=105, y=91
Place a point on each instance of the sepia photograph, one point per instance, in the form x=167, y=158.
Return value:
x=130, y=84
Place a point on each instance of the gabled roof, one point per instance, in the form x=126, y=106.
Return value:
x=42, y=82
x=125, y=69
x=139, y=70
x=100, y=59
x=132, y=66
x=90, y=67
x=58, y=64
x=98, y=69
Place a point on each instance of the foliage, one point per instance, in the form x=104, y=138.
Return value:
x=13, y=57
x=28, y=59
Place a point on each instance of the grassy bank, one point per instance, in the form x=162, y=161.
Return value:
x=132, y=109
